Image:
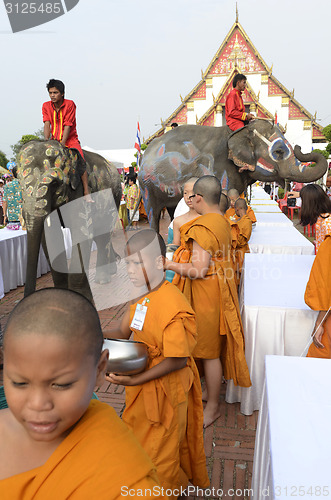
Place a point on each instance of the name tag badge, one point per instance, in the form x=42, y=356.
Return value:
x=139, y=317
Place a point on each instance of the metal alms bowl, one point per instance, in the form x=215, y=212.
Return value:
x=126, y=357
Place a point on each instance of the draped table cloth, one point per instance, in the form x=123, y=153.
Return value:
x=13, y=258
x=285, y=240
x=275, y=318
x=272, y=219
x=293, y=446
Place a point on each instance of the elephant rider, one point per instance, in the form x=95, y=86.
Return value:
x=235, y=114
x=59, y=117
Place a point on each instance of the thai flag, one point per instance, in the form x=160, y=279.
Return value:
x=137, y=144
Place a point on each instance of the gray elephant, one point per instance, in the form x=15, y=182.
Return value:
x=50, y=178
x=258, y=151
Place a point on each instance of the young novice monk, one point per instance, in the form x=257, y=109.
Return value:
x=213, y=295
x=181, y=225
x=55, y=442
x=163, y=404
x=230, y=214
x=244, y=224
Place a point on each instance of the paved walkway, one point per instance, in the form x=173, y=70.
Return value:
x=229, y=442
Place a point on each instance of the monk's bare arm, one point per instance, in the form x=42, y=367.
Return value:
x=194, y=270
x=66, y=132
x=319, y=328
x=123, y=332
x=166, y=366
x=176, y=238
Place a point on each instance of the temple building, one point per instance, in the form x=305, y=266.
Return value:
x=264, y=96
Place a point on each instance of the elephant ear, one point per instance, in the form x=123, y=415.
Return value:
x=241, y=150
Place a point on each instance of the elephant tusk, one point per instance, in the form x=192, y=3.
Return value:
x=264, y=139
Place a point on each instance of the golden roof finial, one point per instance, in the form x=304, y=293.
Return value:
x=162, y=122
x=202, y=77
x=270, y=69
x=196, y=119
x=258, y=96
x=237, y=16
x=214, y=98
x=285, y=128
x=180, y=95
x=292, y=93
x=315, y=115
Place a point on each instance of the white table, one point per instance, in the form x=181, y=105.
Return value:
x=293, y=445
x=259, y=193
x=283, y=240
x=265, y=202
x=275, y=318
x=272, y=219
x=266, y=208
x=13, y=258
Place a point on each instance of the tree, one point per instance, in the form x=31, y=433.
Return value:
x=3, y=160
x=39, y=135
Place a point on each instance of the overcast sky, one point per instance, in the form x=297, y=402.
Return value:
x=126, y=59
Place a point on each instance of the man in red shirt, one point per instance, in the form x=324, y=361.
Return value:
x=235, y=114
x=59, y=117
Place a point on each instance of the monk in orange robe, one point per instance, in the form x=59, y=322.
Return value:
x=244, y=225
x=163, y=404
x=181, y=224
x=55, y=442
x=231, y=213
x=213, y=295
x=318, y=298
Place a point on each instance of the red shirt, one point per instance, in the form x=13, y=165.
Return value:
x=235, y=114
x=59, y=119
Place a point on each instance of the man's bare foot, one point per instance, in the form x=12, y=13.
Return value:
x=88, y=198
x=210, y=414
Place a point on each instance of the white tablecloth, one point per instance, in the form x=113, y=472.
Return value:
x=13, y=257
x=268, y=202
x=283, y=240
x=272, y=219
x=258, y=193
x=275, y=318
x=293, y=445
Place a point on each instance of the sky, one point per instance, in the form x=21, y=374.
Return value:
x=124, y=60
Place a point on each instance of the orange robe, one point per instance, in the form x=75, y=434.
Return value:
x=231, y=214
x=166, y=414
x=318, y=295
x=182, y=255
x=97, y=458
x=214, y=300
x=244, y=233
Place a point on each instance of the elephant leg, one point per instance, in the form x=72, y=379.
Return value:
x=106, y=259
x=155, y=220
x=60, y=278
x=78, y=269
x=171, y=211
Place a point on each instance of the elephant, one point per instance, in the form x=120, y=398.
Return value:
x=49, y=175
x=257, y=151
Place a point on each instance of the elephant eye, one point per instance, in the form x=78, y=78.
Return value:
x=279, y=150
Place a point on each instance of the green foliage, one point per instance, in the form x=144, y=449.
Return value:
x=3, y=160
x=280, y=192
x=134, y=164
x=143, y=147
x=327, y=132
x=39, y=135
x=323, y=152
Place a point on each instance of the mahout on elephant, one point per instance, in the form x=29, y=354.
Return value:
x=50, y=179
x=258, y=151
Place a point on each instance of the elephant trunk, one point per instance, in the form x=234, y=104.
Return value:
x=305, y=173
x=34, y=234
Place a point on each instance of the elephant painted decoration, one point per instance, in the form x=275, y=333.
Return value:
x=258, y=151
x=50, y=178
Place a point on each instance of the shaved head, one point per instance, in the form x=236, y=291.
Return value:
x=233, y=193
x=60, y=312
x=241, y=203
x=190, y=182
x=209, y=187
x=224, y=203
x=140, y=240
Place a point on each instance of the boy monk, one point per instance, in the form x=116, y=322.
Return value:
x=163, y=404
x=213, y=295
x=318, y=298
x=55, y=442
x=244, y=225
x=59, y=117
x=181, y=224
x=230, y=214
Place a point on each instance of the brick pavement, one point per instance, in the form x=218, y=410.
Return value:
x=229, y=442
